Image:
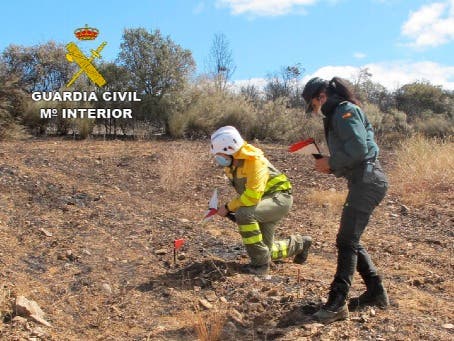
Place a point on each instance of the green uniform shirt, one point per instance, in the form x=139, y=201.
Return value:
x=350, y=139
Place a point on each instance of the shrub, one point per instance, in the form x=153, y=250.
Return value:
x=208, y=110
x=434, y=126
x=424, y=170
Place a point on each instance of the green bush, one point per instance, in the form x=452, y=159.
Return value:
x=434, y=126
x=208, y=110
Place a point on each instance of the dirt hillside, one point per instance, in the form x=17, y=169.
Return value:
x=87, y=228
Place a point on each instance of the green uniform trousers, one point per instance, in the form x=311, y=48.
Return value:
x=257, y=224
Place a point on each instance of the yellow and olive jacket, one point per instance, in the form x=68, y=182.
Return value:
x=253, y=177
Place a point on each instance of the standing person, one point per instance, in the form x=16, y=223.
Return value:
x=265, y=197
x=353, y=155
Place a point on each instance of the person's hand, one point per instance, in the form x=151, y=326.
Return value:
x=222, y=211
x=322, y=165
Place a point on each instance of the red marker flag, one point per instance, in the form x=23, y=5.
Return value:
x=306, y=147
x=212, y=207
x=177, y=243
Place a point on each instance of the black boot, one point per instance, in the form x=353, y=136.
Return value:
x=375, y=295
x=334, y=310
x=304, y=245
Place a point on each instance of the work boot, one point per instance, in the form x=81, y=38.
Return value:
x=334, y=310
x=375, y=295
x=302, y=254
x=259, y=270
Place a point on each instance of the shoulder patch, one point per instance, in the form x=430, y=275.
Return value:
x=347, y=115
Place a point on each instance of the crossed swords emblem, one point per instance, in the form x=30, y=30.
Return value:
x=76, y=55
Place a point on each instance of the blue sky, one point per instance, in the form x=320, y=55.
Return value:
x=400, y=41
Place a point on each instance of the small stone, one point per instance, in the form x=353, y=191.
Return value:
x=210, y=295
x=71, y=256
x=46, y=232
x=107, y=289
x=160, y=252
x=181, y=256
x=184, y=220
x=38, y=332
x=372, y=312
x=86, y=252
x=19, y=320
x=404, y=210
x=253, y=296
x=236, y=316
x=448, y=326
x=223, y=299
x=204, y=303
x=30, y=309
x=265, y=288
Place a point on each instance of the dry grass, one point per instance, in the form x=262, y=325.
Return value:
x=331, y=199
x=6, y=303
x=208, y=327
x=176, y=167
x=424, y=171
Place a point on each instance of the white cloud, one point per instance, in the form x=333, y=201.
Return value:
x=257, y=82
x=265, y=7
x=359, y=55
x=391, y=75
x=431, y=25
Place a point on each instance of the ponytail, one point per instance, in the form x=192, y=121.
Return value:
x=340, y=87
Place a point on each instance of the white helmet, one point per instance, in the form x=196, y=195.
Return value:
x=226, y=140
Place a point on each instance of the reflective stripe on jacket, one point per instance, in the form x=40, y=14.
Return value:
x=253, y=177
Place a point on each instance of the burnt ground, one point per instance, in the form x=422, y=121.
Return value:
x=86, y=231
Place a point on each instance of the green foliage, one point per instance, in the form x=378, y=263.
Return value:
x=284, y=84
x=158, y=67
x=435, y=126
x=207, y=109
x=159, y=71
x=11, y=103
x=418, y=97
x=41, y=67
x=384, y=123
x=31, y=117
x=277, y=122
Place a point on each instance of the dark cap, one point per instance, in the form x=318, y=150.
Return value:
x=311, y=89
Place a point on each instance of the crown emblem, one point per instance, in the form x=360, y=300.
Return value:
x=86, y=33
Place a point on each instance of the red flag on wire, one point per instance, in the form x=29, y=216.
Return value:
x=212, y=207
x=177, y=243
x=306, y=147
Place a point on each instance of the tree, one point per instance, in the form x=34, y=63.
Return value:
x=419, y=97
x=252, y=93
x=285, y=84
x=39, y=68
x=371, y=92
x=220, y=61
x=117, y=79
x=12, y=99
x=158, y=68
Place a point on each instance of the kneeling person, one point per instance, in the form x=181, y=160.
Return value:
x=265, y=197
